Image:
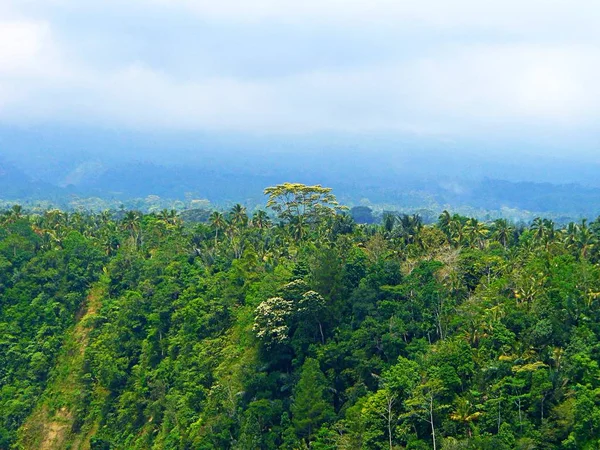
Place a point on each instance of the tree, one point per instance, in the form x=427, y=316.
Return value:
x=463, y=413
x=476, y=232
x=169, y=218
x=362, y=214
x=423, y=403
x=217, y=221
x=238, y=216
x=271, y=320
x=586, y=240
x=301, y=205
x=132, y=223
x=395, y=385
x=444, y=221
x=409, y=227
x=310, y=408
x=456, y=228
x=312, y=306
x=260, y=220
x=388, y=222
x=502, y=231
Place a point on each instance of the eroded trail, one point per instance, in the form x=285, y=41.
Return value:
x=51, y=425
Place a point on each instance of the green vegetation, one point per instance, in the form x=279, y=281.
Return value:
x=297, y=329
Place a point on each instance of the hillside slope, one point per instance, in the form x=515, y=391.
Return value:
x=55, y=422
x=316, y=332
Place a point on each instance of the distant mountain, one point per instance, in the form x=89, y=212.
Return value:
x=156, y=183
x=15, y=184
x=92, y=169
x=572, y=199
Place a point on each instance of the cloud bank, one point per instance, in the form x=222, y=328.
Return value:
x=277, y=66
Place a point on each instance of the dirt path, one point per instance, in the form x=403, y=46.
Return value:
x=48, y=430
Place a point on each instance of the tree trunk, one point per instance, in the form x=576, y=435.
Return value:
x=431, y=421
x=499, y=418
x=390, y=430
x=321, y=330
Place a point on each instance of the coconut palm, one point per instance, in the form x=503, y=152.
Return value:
x=16, y=212
x=538, y=227
x=476, y=232
x=409, y=227
x=238, y=216
x=260, y=219
x=571, y=235
x=218, y=222
x=502, y=231
x=389, y=222
x=132, y=224
x=586, y=239
x=463, y=413
x=457, y=230
x=444, y=221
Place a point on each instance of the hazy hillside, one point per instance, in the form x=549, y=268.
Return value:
x=132, y=183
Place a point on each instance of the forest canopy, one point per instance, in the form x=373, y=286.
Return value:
x=295, y=327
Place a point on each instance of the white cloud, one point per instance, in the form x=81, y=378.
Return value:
x=465, y=87
x=28, y=58
x=514, y=82
x=454, y=87
x=22, y=45
x=508, y=15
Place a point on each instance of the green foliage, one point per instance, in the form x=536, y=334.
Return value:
x=315, y=332
x=310, y=407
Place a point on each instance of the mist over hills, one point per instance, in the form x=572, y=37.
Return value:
x=409, y=173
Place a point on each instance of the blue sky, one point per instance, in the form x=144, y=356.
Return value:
x=449, y=69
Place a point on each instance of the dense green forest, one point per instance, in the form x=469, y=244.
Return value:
x=294, y=327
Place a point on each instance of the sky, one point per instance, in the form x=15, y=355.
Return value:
x=514, y=70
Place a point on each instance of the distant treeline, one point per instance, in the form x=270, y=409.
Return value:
x=149, y=187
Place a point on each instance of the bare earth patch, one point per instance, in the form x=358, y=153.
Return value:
x=44, y=430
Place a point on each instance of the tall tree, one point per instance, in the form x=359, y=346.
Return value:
x=301, y=205
x=502, y=231
x=218, y=222
x=310, y=408
x=260, y=219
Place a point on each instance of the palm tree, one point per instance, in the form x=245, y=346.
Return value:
x=105, y=217
x=16, y=212
x=297, y=228
x=502, y=231
x=464, y=414
x=477, y=232
x=343, y=224
x=586, y=239
x=389, y=221
x=544, y=231
x=481, y=233
x=238, y=216
x=260, y=219
x=54, y=218
x=218, y=222
x=169, y=218
x=109, y=238
x=457, y=230
x=550, y=231
x=12, y=215
x=37, y=224
x=444, y=221
x=131, y=223
x=538, y=226
x=410, y=227
x=571, y=235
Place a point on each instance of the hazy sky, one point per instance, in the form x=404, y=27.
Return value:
x=428, y=67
